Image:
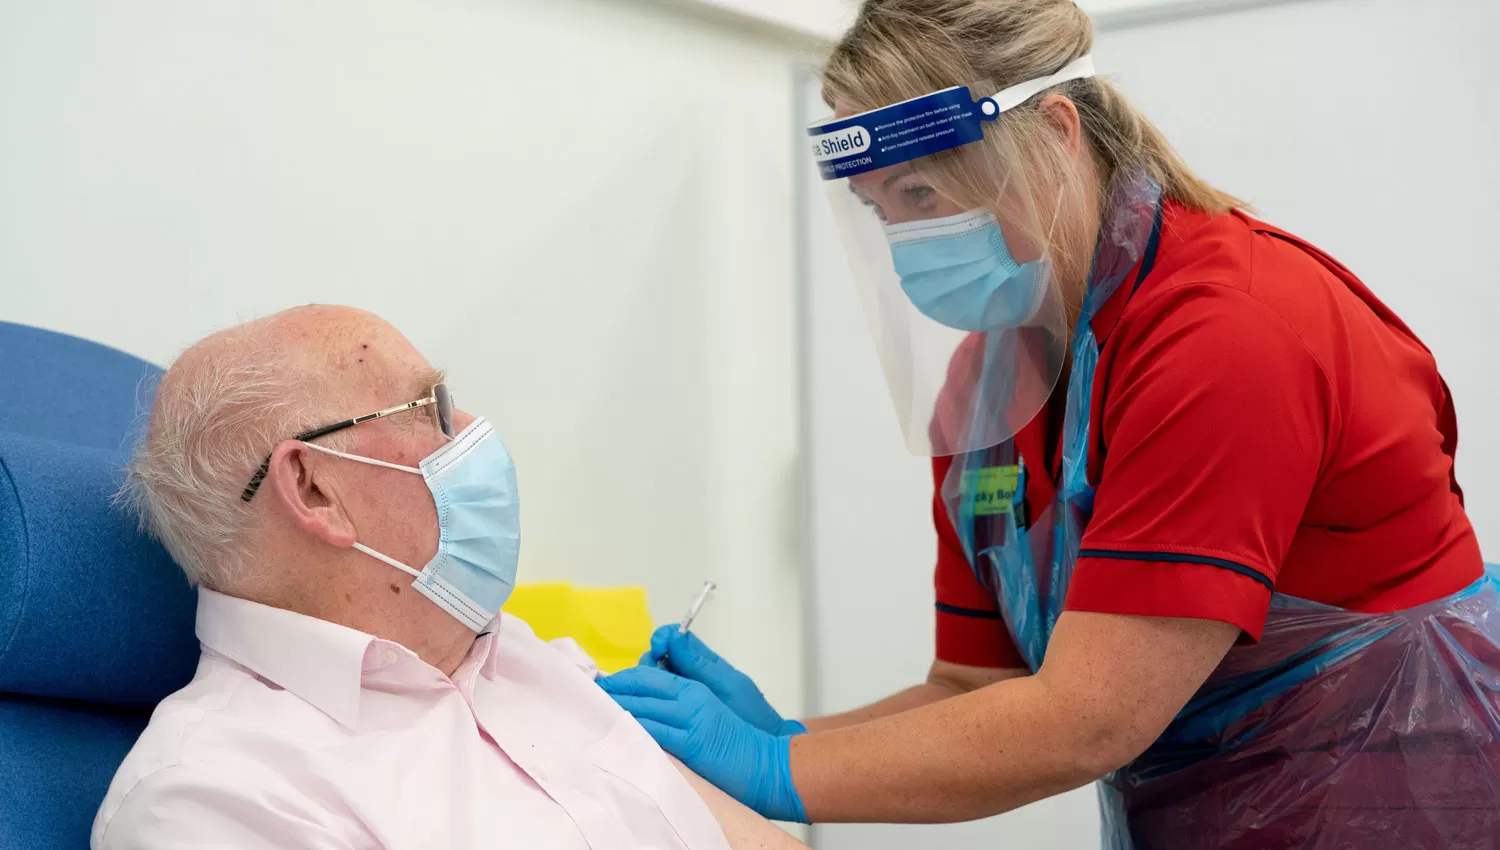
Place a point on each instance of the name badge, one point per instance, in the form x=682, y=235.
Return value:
x=994, y=489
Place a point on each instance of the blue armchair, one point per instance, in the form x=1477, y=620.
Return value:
x=96, y=622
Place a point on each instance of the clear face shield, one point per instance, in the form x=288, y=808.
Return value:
x=961, y=296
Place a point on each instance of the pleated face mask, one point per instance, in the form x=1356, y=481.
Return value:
x=473, y=484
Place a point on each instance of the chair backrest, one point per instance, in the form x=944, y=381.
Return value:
x=96, y=622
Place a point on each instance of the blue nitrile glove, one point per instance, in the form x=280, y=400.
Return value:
x=689, y=722
x=689, y=657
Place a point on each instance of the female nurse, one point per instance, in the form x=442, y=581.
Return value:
x=1200, y=534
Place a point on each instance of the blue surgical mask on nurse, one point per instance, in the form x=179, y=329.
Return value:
x=958, y=271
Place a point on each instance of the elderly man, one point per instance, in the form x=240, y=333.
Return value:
x=353, y=536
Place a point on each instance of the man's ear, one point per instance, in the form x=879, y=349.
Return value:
x=1062, y=113
x=304, y=495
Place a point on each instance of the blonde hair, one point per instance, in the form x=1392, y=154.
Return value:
x=900, y=49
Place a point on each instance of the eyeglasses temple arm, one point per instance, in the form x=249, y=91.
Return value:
x=260, y=474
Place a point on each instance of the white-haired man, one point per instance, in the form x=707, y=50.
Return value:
x=353, y=535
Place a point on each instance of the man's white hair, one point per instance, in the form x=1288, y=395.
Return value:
x=211, y=427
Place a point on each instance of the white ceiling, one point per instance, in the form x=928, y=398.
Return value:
x=827, y=19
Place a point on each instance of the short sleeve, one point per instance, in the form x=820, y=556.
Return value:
x=1213, y=420
x=969, y=629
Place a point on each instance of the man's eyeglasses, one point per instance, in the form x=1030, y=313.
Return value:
x=439, y=398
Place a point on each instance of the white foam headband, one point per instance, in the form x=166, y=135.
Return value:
x=1008, y=99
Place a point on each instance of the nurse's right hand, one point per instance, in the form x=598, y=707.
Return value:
x=690, y=658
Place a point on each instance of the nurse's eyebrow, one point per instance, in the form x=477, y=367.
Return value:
x=886, y=183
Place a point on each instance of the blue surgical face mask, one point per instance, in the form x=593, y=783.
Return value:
x=473, y=484
x=958, y=271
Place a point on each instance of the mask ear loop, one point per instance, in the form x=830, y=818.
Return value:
x=373, y=462
x=1056, y=216
x=387, y=559
x=1052, y=230
x=991, y=108
x=362, y=459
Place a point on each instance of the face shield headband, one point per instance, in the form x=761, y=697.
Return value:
x=922, y=126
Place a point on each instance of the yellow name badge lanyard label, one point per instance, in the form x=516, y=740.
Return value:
x=994, y=488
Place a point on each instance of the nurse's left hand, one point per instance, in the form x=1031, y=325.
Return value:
x=689, y=722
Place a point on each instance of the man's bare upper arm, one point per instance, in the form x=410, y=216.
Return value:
x=743, y=829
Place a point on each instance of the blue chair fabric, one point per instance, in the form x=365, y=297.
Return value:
x=96, y=622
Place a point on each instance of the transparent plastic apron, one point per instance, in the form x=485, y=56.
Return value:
x=1337, y=730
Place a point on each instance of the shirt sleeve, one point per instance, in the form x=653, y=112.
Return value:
x=1214, y=429
x=969, y=629
x=239, y=806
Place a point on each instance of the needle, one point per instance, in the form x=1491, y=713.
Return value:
x=692, y=614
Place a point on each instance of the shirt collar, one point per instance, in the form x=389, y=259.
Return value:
x=1108, y=316
x=318, y=661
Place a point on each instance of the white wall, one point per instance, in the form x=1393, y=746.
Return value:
x=580, y=207
x=1367, y=126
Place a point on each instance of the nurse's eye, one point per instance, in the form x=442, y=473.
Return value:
x=918, y=196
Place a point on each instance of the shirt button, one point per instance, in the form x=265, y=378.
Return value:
x=390, y=656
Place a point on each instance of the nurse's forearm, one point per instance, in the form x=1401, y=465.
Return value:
x=914, y=697
x=967, y=757
x=944, y=680
x=1108, y=687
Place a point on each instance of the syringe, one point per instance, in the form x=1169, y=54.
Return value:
x=692, y=614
